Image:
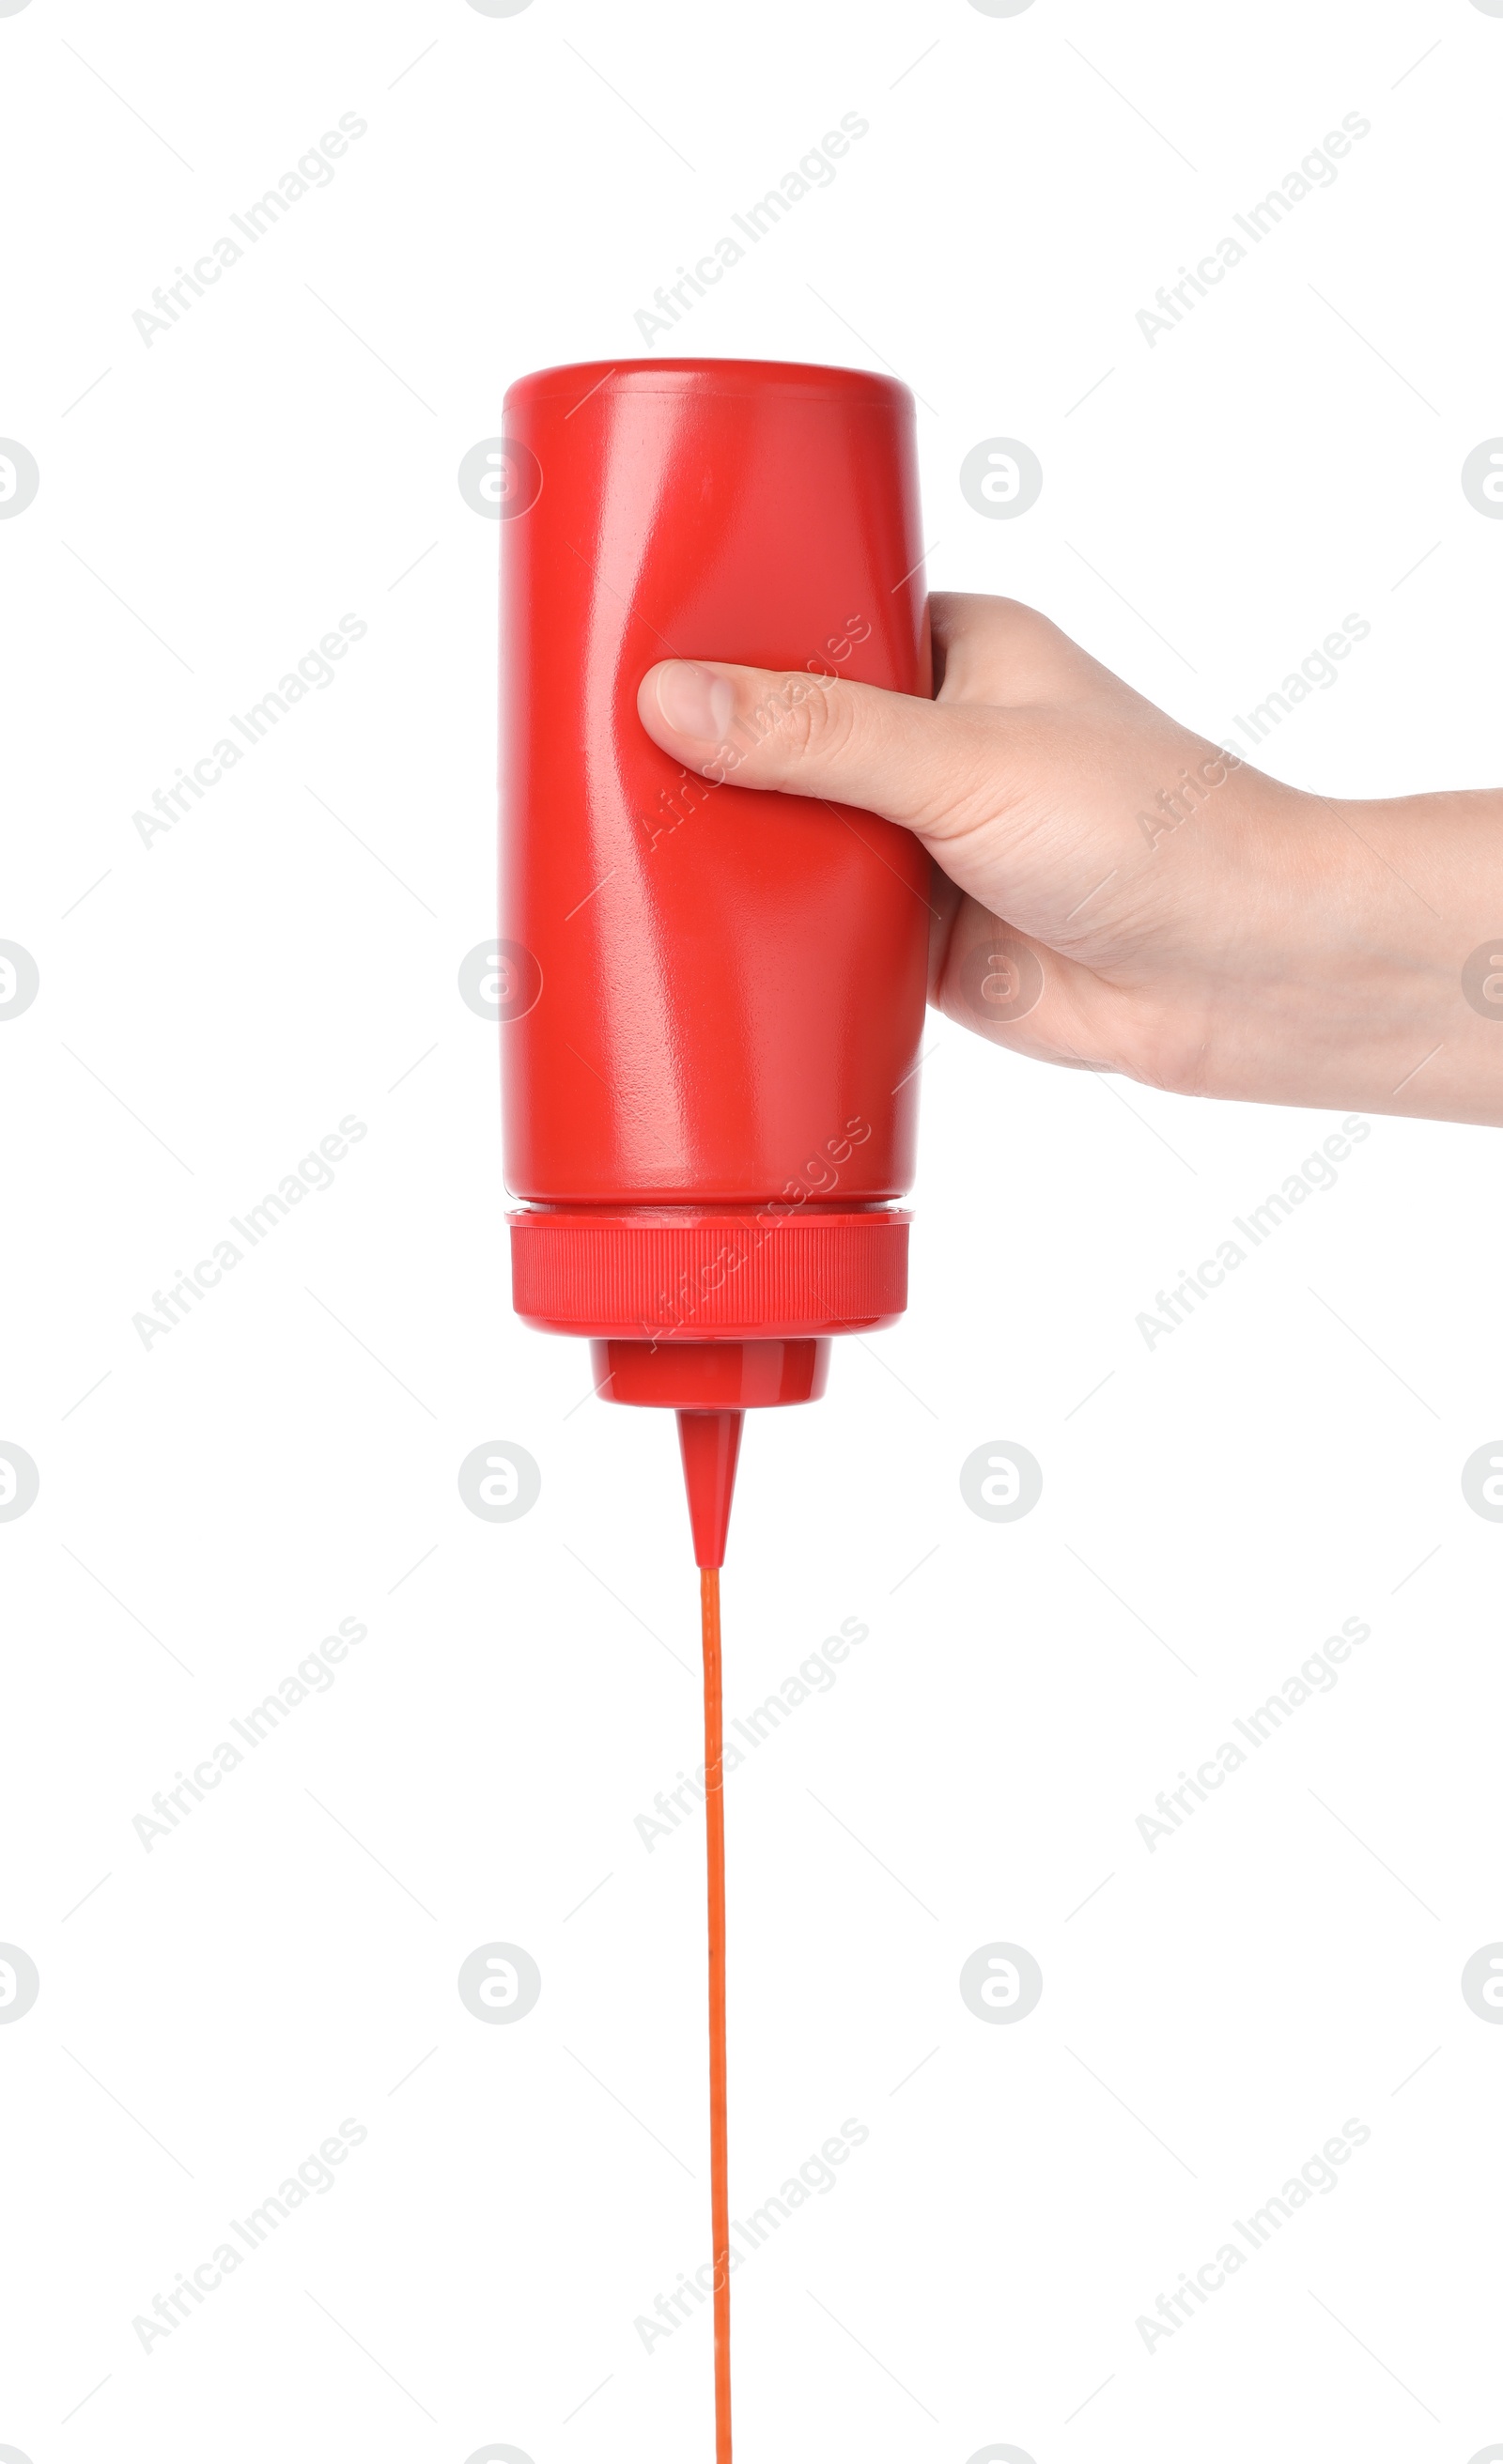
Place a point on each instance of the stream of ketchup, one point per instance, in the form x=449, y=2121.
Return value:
x=715, y=1861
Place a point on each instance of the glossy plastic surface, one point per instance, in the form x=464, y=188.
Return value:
x=729, y=1377
x=710, y=1444
x=718, y=994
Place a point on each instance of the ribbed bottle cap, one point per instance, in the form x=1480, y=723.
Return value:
x=684, y=1274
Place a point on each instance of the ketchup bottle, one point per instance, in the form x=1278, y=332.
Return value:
x=713, y=997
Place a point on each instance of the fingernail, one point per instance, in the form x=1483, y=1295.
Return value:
x=694, y=702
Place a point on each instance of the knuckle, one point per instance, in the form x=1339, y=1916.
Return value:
x=820, y=721
x=799, y=719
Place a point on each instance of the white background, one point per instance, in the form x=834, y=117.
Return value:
x=212, y=1004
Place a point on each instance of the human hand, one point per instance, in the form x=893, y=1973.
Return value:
x=1116, y=893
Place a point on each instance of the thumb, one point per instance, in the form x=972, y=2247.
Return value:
x=891, y=753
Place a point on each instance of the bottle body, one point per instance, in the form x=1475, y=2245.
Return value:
x=711, y=1068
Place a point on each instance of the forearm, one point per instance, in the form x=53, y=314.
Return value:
x=1381, y=988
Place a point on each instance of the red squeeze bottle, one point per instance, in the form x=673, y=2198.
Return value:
x=713, y=997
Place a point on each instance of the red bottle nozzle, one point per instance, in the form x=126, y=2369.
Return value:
x=710, y=1442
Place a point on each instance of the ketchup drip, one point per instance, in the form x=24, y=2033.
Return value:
x=710, y=1442
x=715, y=1861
